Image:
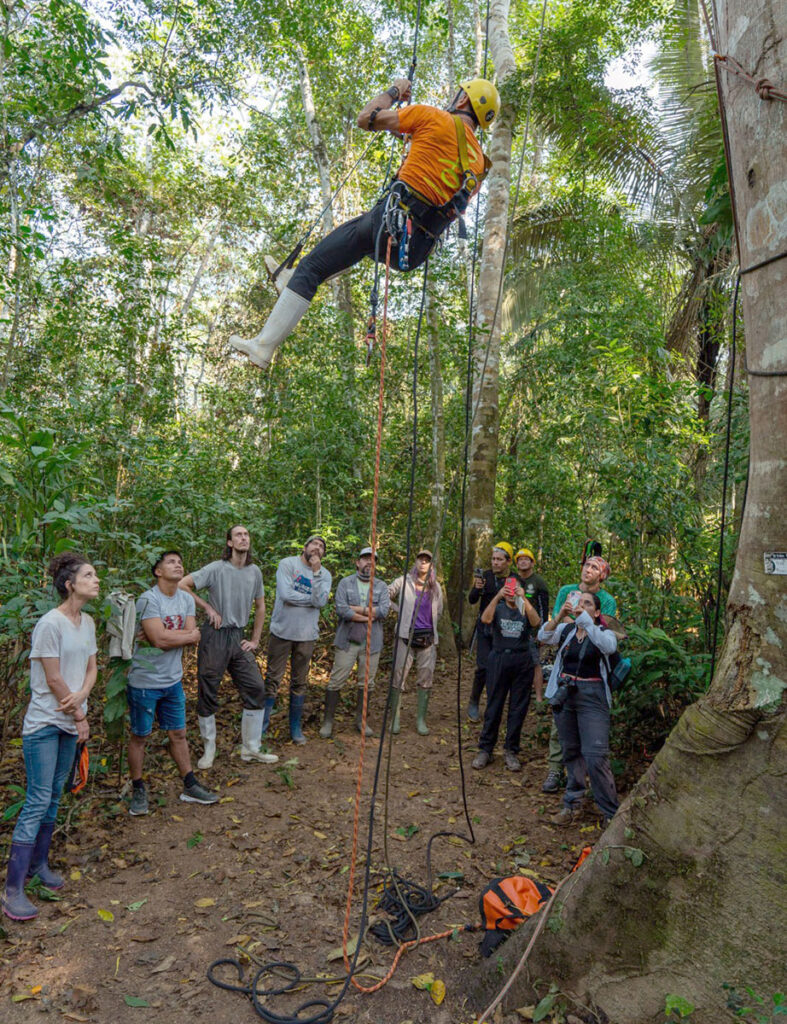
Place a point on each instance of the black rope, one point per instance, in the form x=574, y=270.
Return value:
x=728, y=434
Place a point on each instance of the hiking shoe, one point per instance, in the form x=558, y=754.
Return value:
x=565, y=815
x=196, y=794
x=512, y=761
x=139, y=801
x=473, y=712
x=482, y=759
x=553, y=782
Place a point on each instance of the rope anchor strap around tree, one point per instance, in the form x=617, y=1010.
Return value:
x=764, y=88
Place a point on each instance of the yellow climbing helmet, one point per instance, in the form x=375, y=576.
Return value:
x=484, y=99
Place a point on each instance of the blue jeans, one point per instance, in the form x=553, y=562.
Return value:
x=583, y=726
x=49, y=758
x=167, y=705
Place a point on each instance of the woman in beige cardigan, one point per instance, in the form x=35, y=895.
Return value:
x=421, y=603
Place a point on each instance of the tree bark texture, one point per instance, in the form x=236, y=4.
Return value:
x=485, y=426
x=702, y=907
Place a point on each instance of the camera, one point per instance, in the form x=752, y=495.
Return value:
x=564, y=690
x=478, y=573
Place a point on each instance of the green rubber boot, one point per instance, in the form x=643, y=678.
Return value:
x=423, y=705
x=396, y=698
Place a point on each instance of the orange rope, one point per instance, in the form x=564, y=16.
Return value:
x=359, y=780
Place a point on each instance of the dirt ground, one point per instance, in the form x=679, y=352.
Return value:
x=151, y=902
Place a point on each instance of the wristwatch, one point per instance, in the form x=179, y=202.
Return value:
x=393, y=92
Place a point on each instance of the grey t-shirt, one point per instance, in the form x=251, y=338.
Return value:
x=55, y=636
x=231, y=591
x=152, y=668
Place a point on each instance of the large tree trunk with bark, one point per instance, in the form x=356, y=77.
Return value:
x=705, y=905
x=482, y=470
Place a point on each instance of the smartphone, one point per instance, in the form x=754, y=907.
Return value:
x=509, y=587
x=574, y=597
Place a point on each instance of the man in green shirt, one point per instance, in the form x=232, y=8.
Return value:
x=594, y=571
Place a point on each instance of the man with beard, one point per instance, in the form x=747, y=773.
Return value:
x=352, y=610
x=233, y=583
x=303, y=587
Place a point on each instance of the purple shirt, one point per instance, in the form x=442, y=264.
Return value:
x=423, y=617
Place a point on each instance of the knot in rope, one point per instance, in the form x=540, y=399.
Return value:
x=764, y=89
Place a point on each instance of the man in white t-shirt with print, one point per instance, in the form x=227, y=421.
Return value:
x=234, y=584
x=167, y=623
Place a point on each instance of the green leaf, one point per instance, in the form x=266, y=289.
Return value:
x=679, y=1005
x=135, y=1001
x=194, y=840
x=543, y=1008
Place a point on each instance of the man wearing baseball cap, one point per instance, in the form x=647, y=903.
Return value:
x=303, y=587
x=352, y=612
x=593, y=573
x=486, y=584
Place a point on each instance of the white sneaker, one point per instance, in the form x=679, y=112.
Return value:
x=282, y=279
x=247, y=754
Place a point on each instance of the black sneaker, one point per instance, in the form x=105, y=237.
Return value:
x=139, y=801
x=553, y=782
x=196, y=794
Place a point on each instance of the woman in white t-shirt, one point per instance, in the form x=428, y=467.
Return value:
x=62, y=674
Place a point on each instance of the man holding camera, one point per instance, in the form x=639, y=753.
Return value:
x=509, y=671
x=486, y=583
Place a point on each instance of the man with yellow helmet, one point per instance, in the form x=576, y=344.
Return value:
x=443, y=169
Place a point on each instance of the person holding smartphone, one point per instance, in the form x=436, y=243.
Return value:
x=509, y=671
x=486, y=583
x=579, y=694
x=593, y=573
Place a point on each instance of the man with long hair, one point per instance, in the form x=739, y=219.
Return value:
x=233, y=583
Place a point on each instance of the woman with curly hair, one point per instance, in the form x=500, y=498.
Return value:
x=62, y=674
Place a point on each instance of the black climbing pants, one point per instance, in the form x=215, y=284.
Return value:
x=220, y=651
x=348, y=244
x=509, y=674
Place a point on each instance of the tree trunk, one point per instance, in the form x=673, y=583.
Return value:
x=482, y=469
x=709, y=814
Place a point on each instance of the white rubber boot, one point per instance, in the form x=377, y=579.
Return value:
x=282, y=279
x=207, y=730
x=251, y=736
x=289, y=309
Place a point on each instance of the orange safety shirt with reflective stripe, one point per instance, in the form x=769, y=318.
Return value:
x=432, y=166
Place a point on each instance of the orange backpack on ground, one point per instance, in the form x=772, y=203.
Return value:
x=505, y=903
